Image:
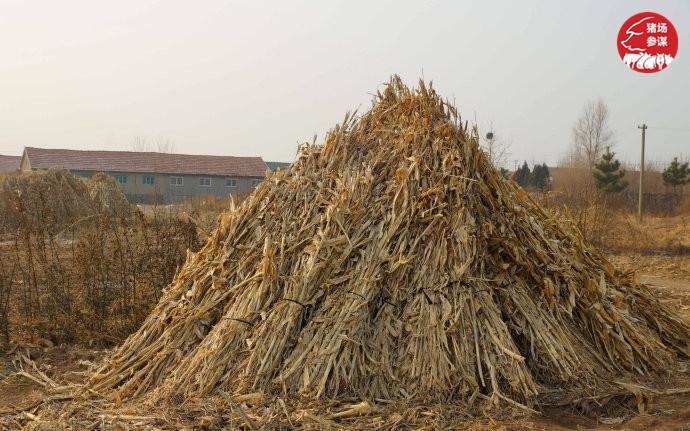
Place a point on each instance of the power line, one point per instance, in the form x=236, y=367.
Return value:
x=675, y=129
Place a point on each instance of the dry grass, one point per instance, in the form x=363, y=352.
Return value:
x=685, y=206
x=205, y=211
x=605, y=225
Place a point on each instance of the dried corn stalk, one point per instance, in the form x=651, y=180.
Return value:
x=394, y=262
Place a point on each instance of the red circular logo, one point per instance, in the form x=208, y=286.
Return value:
x=647, y=42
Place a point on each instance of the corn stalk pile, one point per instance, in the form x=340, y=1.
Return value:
x=394, y=263
x=105, y=192
x=52, y=198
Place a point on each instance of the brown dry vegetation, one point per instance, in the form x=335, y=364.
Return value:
x=205, y=210
x=609, y=221
x=658, y=246
x=79, y=264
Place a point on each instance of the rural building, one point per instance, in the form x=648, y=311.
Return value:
x=9, y=163
x=159, y=177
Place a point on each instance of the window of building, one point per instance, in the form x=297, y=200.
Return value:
x=255, y=183
x=205, y=182
x=149, y=180
x=231, y=182
x=176, y=181
x=122, y=179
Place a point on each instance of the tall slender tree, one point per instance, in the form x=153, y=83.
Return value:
x=592, y=132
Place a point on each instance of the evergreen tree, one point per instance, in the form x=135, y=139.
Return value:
x=505, y=173
x=607, y=173
x=676, y=174
x=541, y=177
x=547, y=176
x=522, y=175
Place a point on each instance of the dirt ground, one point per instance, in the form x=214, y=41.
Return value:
x=668, y=275
x=671, y=267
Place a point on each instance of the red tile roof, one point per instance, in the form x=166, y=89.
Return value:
x=9, y=163
x=145, y=162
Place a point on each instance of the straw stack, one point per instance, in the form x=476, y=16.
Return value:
x=108, y=196
x=394, y=263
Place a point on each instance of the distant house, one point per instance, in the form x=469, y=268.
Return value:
x=273, y=166
x=9, y=163
x=160, y=177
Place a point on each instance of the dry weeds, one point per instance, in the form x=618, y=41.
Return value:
x=78, y=263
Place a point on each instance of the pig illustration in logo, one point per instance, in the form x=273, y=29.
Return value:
x=633, y=42
x=646, y=61
x=647, y=42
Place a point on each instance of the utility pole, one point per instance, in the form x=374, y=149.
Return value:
x=643, y=127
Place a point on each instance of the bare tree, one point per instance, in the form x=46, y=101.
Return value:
x=496, y=147
x=592, y=133
x=140, y=143
x=161, y=144
x=572, y=158
x=165, y=145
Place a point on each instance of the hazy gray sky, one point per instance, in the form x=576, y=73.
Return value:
x=257, y=78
